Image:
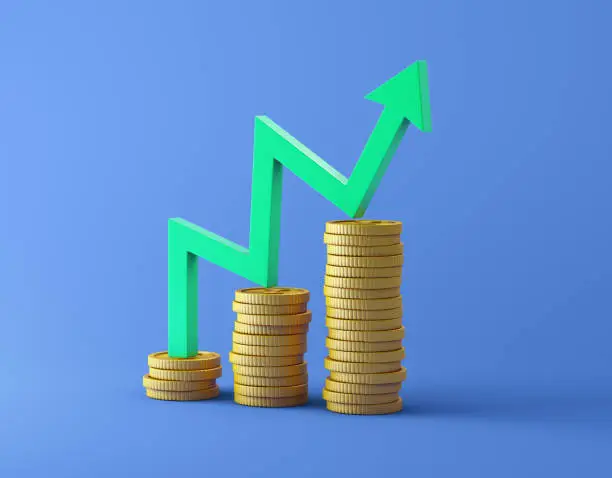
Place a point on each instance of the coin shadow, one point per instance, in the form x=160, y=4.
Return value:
x=226, y=395
x=316, y=402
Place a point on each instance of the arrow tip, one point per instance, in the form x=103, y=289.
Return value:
x=408, y=93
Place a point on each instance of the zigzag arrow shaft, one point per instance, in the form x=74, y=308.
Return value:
x=273, y=149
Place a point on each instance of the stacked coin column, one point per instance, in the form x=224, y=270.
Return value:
x=183, y=379
x=364, y=317
x=269, y=342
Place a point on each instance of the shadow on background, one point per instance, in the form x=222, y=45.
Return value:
x=562, y=405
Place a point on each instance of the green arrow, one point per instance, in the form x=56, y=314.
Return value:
x=406, y=100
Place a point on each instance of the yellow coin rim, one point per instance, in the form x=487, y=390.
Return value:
x=369, y=378
x=205, y=394
x=363, y=325
x=358, y=399
x=354, y=409
x=374, y=251
x=356, y=367
x=268, y=340
x=377, y=314
x=362, y=389
x=367, y=357
x=259, y=309
x=202, y=361
x=271, y=371
x=365, y=261
x=271, y=381
x=362, y=282
x=283, y=320
x=364, y=304
x=338, y=293
x=257, y=361
x=271, y=392
x=367, y=335
x=353, y=346
x=361, y=241
x=270, y=402
x=185, y=375
x=265, y=351
x=269, y=329
x=362, y=272
x=176, y=385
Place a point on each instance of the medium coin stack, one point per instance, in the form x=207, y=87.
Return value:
x=183, y=379
x=364, y=317
x=269, y=342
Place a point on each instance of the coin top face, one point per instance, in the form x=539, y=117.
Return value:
x=366, y=222
x=365, y=227
x=273, y=295
x=274, y=291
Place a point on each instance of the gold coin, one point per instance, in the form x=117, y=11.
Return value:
x=270, y=402
x=372, y=261
x=185, y=375
x=335, y=292
x=363, y=227
x=272, y=295
x=363, y=325
x=268, y=340
x=369, y=378
x=353, y=398
x=362, y=282
x=262, y=351
x=367, y=357
x=175, y=385
x=354, y=367
x=271, y=392
x=269, y=329
x=367, y=335
x=271, y=381
x=360, y=304
x=275, y=320
x=361, y=241
x=259, y=309
x=354, y=409
x=338, y=271
x=240, y=359
x=354, y=251
x=348, y=314
x=184, y=396
x=351, y=346
x=201, y=361
x=362, y=389
x=270, y=371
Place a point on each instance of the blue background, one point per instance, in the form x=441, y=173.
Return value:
x=115, y=116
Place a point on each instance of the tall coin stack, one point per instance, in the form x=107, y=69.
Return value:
x=364, y=317
x=183, y=379
x=269, y=342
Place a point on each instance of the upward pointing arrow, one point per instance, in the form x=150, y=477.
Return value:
x=408, y=94
x=406, y=100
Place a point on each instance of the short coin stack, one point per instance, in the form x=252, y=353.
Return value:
x=183, y=379
x=269, y=342
x=364, y=317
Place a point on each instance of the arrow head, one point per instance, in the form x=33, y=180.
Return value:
x=408, y=94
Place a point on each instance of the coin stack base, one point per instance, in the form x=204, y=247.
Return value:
x=269, y=342
x=183, y=379
x=364, y=317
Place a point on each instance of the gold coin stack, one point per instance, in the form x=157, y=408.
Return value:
x=269, y=342
x=364, y=317
x=183, y=379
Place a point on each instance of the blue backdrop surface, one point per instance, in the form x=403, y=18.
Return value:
x=115, y=116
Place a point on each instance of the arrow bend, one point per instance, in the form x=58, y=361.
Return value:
x=406, y=100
